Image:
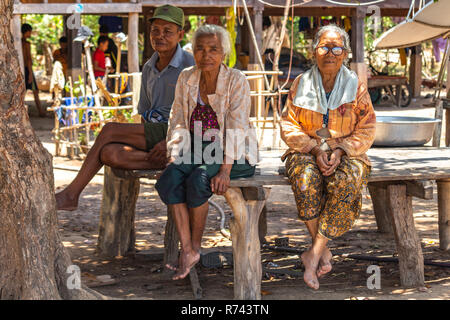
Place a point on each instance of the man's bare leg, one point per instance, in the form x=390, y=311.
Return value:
x=188, y=255
x=124, y=133
x=122, y=156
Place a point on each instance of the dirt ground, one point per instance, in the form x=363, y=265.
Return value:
x=139, y=277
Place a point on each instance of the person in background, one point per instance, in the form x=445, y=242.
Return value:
x=61, y=54
x=99, y=59
x=30, y=81
x=140, y=145
x=111, y=50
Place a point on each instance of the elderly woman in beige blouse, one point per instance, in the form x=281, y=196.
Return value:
x=205, y=140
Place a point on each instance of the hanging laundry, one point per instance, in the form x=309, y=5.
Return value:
x=402, y=52
x=304, y=24
x=438, y=46
x=347, y=24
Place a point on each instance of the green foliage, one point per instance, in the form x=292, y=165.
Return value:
x=77, y=87
x=300, y=43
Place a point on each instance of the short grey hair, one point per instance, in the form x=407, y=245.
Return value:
x=215, y=30
x=333, y=28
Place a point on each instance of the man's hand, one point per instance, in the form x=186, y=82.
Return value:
x=335, y=161
x=221, y=181
x=158, y=154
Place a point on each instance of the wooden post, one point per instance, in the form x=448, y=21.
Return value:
x=408, y=243
x=380, y=208
x=136, y=79
x=148, y=50
x=257, y=21
x=87, y=51
x=171, y=240
x=447, y=110
x=246, y=245
x=74, y=51
x=415, y=71
x=116, y=236
x=438, y=129
x=444, y=213
x=17, y=35
x=448, y=78
x=255, y=85
x=447, y=126
x=357, y=44
x=262, y=225
x=132, y=42
x=57, y=136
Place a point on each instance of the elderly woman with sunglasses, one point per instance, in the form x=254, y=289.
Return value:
x=328, y=124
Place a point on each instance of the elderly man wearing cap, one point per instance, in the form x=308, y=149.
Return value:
x=140, y=146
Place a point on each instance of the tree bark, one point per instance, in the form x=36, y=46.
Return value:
x=33, y=261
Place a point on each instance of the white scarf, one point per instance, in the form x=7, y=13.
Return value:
x=311, y=94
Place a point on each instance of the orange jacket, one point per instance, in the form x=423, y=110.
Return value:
x=352, y=126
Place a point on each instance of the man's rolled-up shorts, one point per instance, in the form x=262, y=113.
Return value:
x=154, y=132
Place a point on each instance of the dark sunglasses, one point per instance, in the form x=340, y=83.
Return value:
x=337, y=51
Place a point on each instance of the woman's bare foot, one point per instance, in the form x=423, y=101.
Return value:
x=66, y=202
x=173, y=266
x=187, y=261
x=309, y=275
x=325, y=263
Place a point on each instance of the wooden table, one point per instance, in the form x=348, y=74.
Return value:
x=397, y=176
x=386, y=81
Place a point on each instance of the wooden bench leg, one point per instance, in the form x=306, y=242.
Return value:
x=246, y=246
x=444, y=213
x=116, y=235
x=171, y=249
x=262, y=225
x=408, y=244
x=380, y=208
x=171, y=241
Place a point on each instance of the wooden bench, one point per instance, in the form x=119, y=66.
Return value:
x=397, y=176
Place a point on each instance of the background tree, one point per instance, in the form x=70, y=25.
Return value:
x=33, y=261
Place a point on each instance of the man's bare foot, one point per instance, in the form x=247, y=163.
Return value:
x=309, y=276
x=187, y=261
x=66, y=202
x=325, y=263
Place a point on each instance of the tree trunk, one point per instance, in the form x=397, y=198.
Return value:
x=33, y=261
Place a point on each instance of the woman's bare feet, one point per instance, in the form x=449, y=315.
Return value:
x=187, y=261
x=173, y=266
x=325, y=263
x=311, y=266
x=64, y=201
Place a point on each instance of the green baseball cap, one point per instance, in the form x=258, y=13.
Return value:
x=169, y=13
